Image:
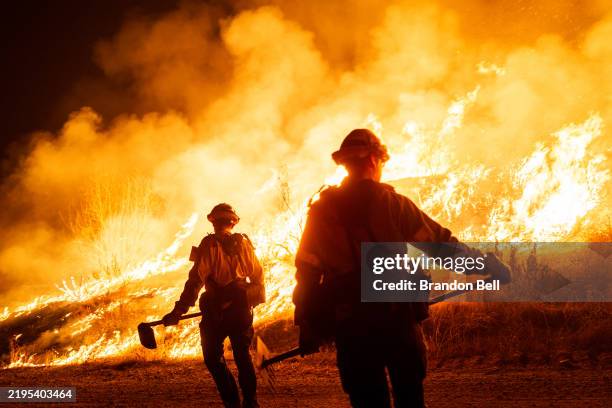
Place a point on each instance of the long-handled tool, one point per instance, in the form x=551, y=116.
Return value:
x=267, y=362
x=146, y=334
x=281, y=357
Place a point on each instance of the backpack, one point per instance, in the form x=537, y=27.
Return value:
x=232, y=246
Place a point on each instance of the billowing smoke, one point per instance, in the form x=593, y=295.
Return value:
x=246, y=107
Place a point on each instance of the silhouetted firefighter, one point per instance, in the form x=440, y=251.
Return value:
x=371, y=338
x=226, y=265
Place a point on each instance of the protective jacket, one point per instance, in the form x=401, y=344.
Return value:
x=328, y=258
x=220, y=262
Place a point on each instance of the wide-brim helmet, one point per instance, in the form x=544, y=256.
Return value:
x=223, y=211
x=360, y=143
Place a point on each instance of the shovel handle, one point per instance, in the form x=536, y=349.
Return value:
x=183, y=317
x=281, y=357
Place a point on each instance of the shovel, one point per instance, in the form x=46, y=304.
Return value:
x=146, y=334
x=267, y=362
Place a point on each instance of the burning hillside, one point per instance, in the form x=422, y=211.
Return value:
x=505, y=145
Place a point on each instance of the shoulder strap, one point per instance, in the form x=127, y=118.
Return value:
x=246, y=237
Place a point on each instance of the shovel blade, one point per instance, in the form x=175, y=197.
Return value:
x=261, y=352
x=147, y=336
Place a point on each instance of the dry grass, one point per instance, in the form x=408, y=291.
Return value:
x=499, y=333
x=496, y=333
x=519, y=332
x=114, y=224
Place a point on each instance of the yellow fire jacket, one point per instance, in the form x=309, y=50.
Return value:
x=212, y=262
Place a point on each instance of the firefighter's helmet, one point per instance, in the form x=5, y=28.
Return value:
x=223, y=211
x=360, y=143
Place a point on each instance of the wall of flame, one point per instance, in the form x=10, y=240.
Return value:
x=499, y=133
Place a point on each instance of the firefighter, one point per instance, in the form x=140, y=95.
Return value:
x=226, y=266
x=371, y=338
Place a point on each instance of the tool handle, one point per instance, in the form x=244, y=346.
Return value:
x=276, y=359
x=183, y=317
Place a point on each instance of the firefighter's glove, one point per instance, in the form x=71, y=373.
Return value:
x=172, y=318
x=309, y=341
x=497, y=268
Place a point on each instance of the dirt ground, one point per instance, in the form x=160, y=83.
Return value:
x=313, y=382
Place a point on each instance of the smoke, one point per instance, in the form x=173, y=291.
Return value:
x=245, y=99
x=173, y=62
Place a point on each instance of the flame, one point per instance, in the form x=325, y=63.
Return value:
x=555, y=187
x=164, y=262
x=551, y=193
x=559, y=185
x=5, y=313
x=424, y=153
